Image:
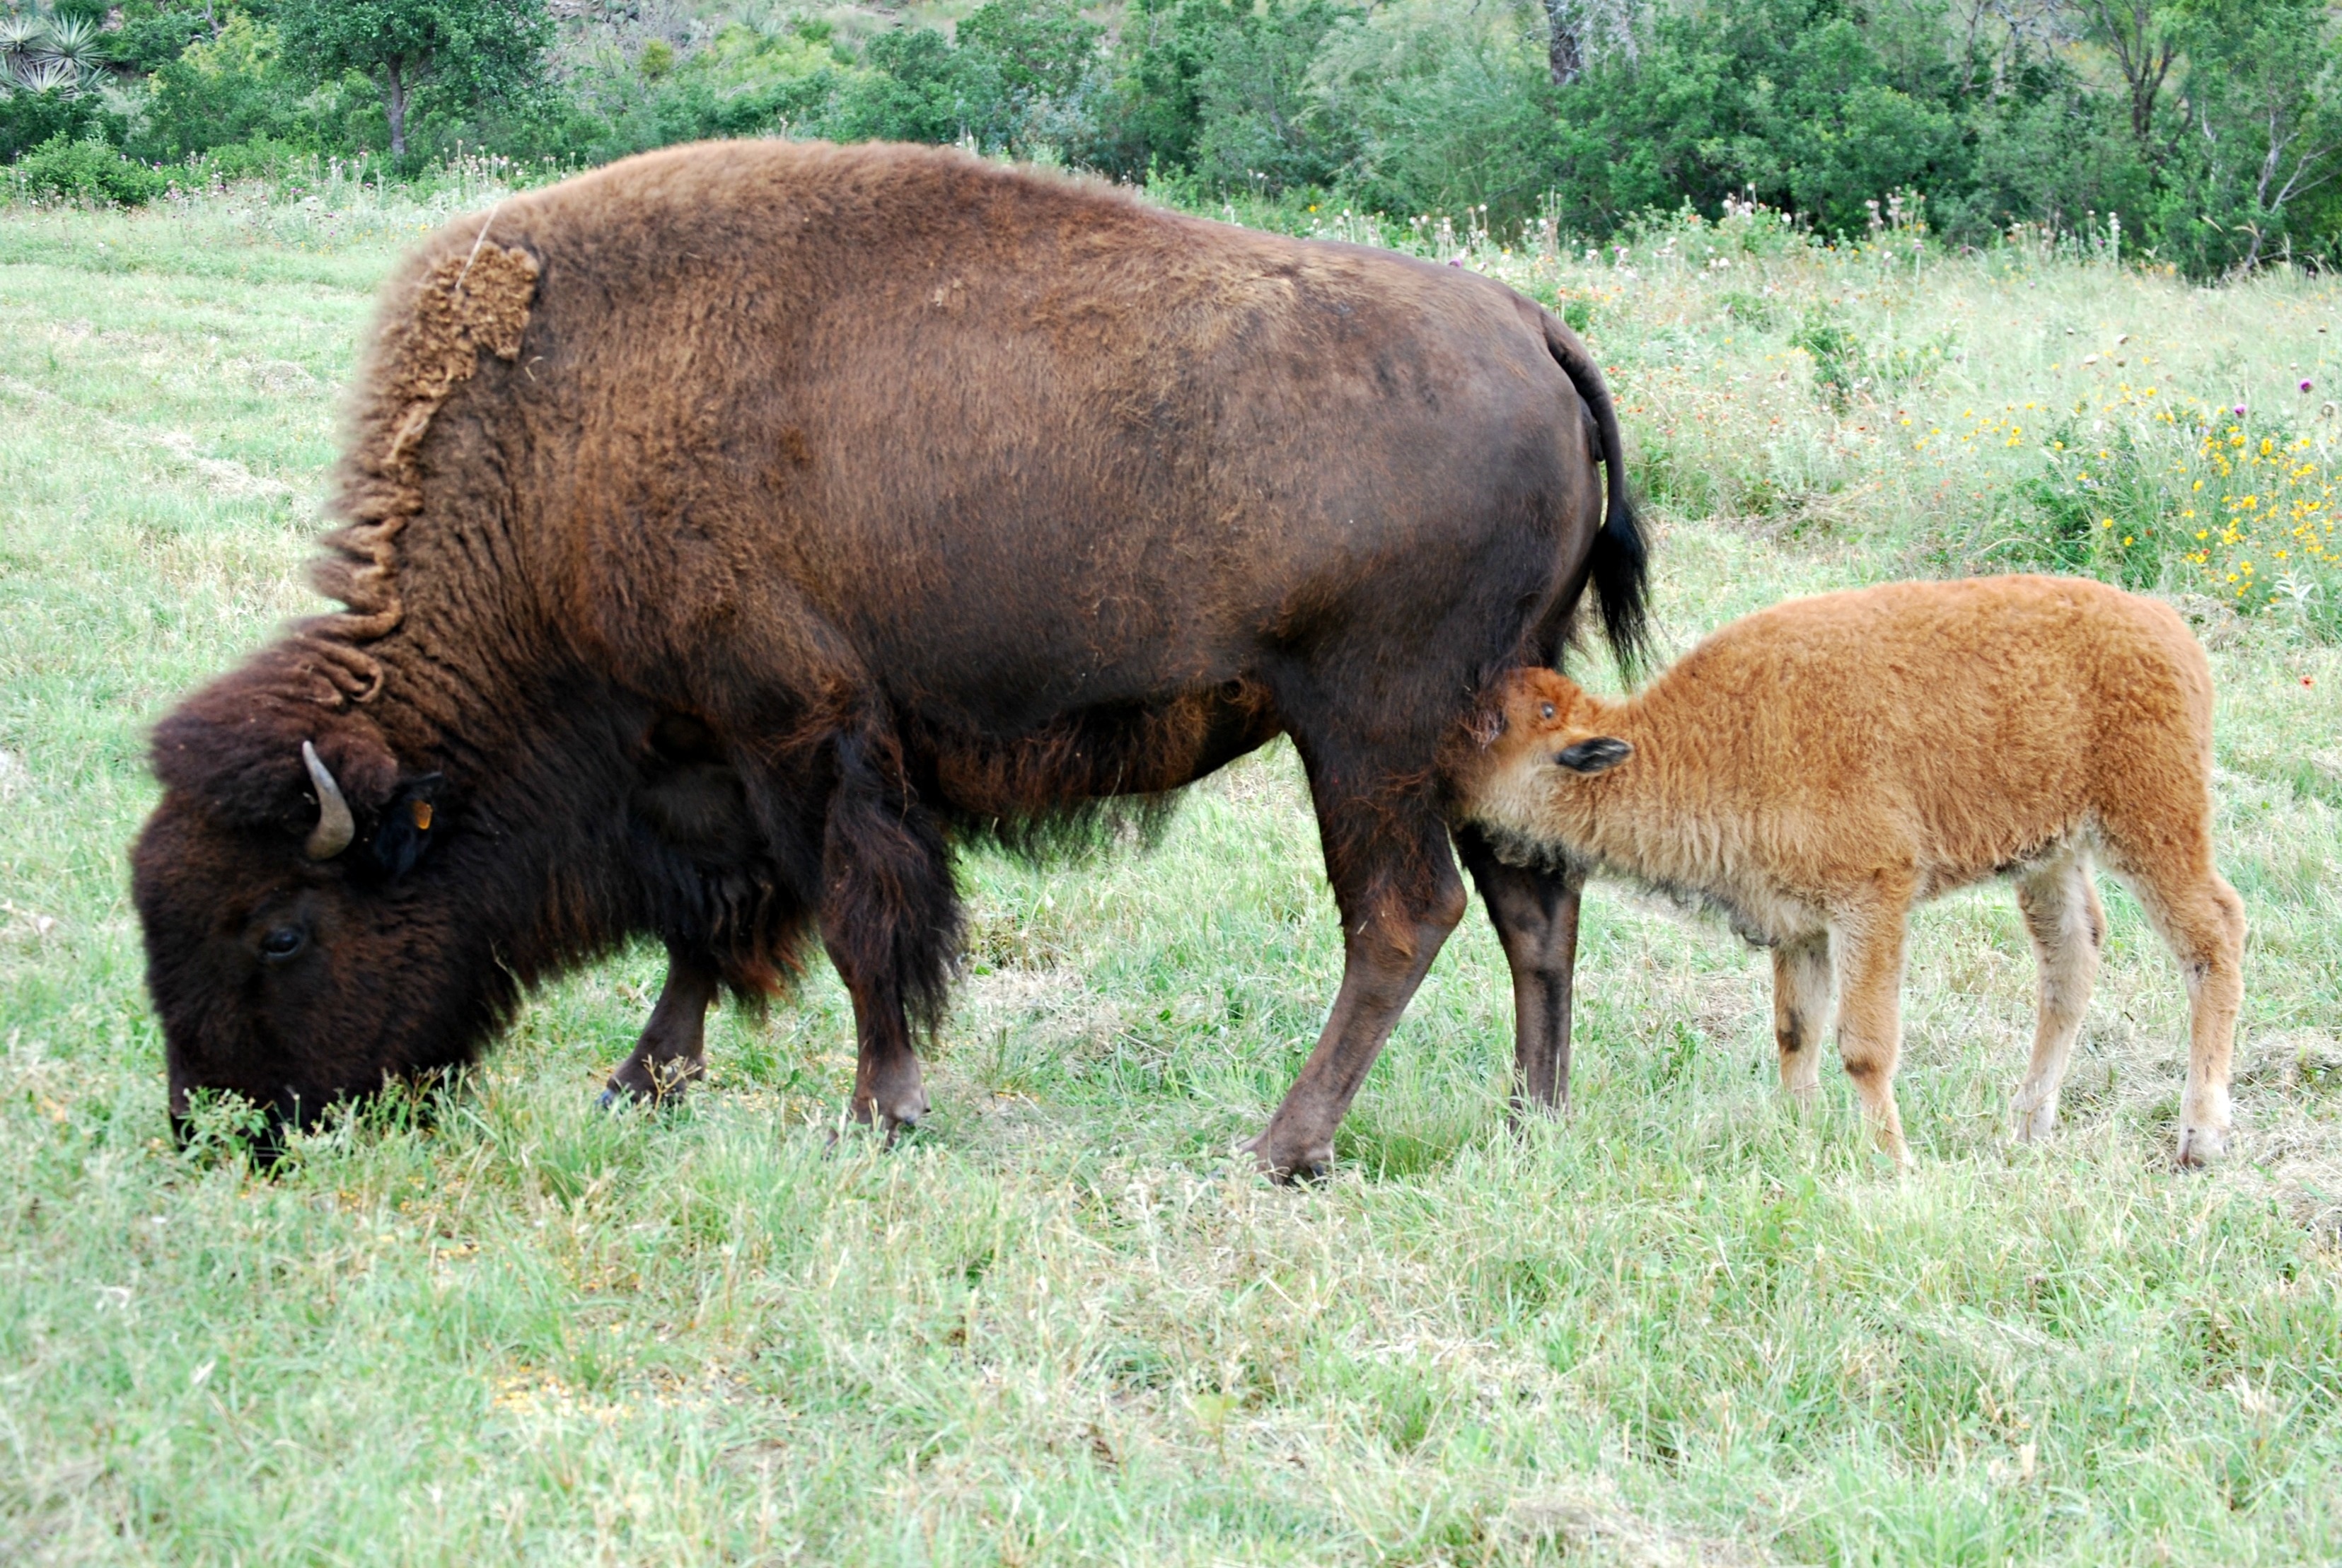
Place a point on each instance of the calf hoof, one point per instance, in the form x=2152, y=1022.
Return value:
x=1289, y=1165
x=2038, y=1124
x=2199, y=1146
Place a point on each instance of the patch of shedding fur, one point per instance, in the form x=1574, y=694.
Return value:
x=464, y=303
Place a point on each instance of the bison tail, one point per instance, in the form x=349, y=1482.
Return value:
x=1618, y=566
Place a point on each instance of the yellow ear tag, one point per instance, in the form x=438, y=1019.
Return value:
x=420, y=812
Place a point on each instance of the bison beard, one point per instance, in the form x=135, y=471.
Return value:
x=730, y=531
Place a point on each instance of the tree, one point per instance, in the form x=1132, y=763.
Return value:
x=1045, y=47
x=1571, y=25
x=2265, y=77
x=467, y=50
x=2140, y=36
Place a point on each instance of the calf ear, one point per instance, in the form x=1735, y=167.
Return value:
x=1598, y=755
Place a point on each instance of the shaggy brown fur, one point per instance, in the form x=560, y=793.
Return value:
x=731, y=529
x=1817, y=768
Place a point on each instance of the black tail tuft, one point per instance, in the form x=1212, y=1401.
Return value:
x=1618, y=565
x=1619, y=570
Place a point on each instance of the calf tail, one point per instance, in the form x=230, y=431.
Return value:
x=1618, y=565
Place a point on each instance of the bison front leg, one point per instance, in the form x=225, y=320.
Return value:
x=672, y=1048
x=1536, y=916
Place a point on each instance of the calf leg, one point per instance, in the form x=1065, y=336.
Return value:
x=1801, y=1014
x=890, y=920
x=2202, y=918
x=1536, y=916
x=1870, y=950
x=672, y=1050
x=2062, y=913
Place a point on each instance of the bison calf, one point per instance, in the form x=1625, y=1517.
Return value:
x=1815, y=769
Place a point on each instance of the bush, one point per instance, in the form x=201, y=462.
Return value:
x=30, y=119
x=87, y=171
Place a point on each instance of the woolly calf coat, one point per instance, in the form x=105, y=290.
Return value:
x=1815, y=769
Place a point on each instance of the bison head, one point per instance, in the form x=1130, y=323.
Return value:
x=306, y=930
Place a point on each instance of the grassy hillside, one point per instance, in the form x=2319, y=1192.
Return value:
x=1062, y=1324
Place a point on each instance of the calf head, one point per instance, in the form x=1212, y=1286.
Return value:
x=1547, y=738
x=304, y=936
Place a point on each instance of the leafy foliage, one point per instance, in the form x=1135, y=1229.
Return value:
x=87, y=171
x=2208, y=133
x=461, y=51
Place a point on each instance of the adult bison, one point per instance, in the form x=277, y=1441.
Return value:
x=729, y=529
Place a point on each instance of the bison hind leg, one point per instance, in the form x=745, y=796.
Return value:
x=890, y=919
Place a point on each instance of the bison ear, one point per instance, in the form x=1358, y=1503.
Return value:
x=1597, y=755
x=236, y=747
x=410, y=822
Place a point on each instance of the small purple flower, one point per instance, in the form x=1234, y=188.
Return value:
x=2240, y=411
x=2304, y=383
x=1458, y=261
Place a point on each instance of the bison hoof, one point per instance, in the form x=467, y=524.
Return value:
x=904, y=1114
x=1288, y=1166
x=620, y=1096
x=655, y=1080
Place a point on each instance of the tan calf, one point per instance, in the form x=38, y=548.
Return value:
x=1815, y=769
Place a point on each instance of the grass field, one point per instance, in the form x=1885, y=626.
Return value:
x=1062, y=1324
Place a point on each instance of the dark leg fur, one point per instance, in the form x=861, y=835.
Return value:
x=1399, y=895
x=890, y=919
x=672, y=1050
x=1536, y=916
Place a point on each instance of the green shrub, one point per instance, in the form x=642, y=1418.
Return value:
x=1844, y=364
x=1837, y=354
x=87, y=171
x=29, y=119
x=1442, y=115
x=235, y=87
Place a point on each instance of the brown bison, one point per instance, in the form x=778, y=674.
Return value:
x=730, y=531
x=1819, y=767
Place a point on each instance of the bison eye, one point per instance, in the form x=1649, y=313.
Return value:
x=283, y=942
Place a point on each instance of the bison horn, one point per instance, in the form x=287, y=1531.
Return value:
x=336, y=827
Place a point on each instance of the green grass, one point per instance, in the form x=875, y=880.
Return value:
x=1062, y=1324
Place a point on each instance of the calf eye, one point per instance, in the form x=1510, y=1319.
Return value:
x=283, y=942
x=1548, y=710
